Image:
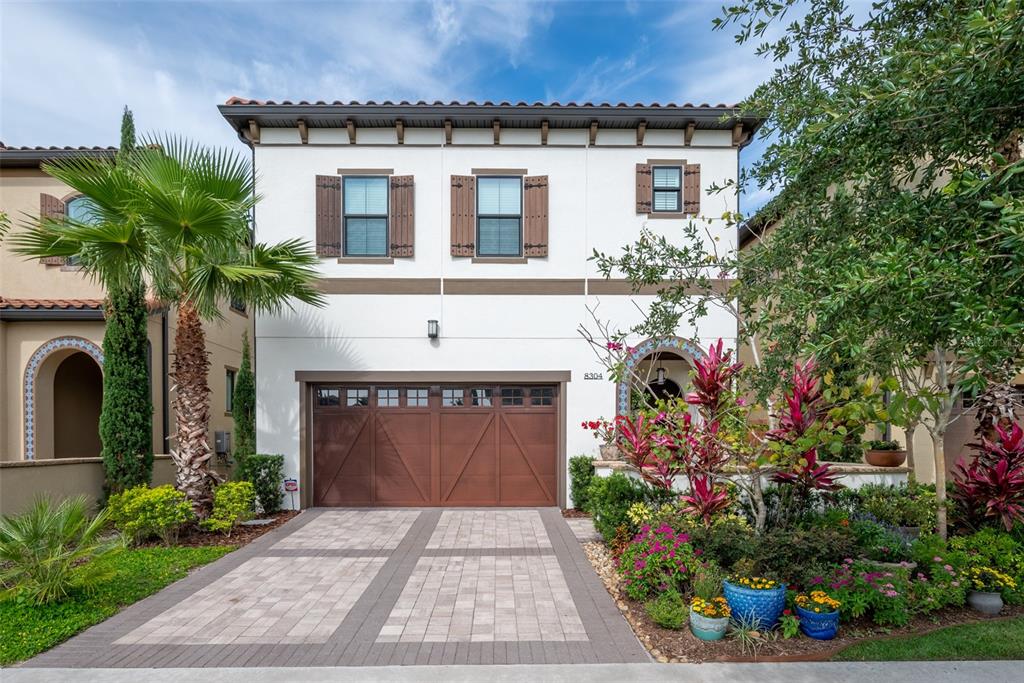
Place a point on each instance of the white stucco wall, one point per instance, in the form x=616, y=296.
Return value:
x=591, y=206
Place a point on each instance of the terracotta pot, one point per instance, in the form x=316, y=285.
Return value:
x=610, y=452
x=885, y=458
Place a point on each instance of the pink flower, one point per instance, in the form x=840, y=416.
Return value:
x=956, y=584
x=936, y=559
x=741, y=401
x=948, y=568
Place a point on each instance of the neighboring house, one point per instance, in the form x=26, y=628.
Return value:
x=961, y=430
x=51, y=356
x=447, y=367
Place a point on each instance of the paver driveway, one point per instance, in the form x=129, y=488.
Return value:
x=376, y=587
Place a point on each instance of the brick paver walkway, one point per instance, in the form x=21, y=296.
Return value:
x=344, y=587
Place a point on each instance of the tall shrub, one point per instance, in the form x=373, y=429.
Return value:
x=126, y=420
x=243, y=407
x=266, y=472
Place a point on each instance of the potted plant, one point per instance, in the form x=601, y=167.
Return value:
x=986, y=587
x=755, y=600
x=819, y=615
x=709, y=618
x=885, y=454
x=604, y=431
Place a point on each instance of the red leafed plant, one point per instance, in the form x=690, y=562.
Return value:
x=704, y=499
x=712, y=380
x=639, y=443
x=802, y=412
x=992, y=485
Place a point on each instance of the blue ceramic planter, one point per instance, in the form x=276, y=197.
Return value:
x=758, y=608
x=706, y=628
x=820, y=626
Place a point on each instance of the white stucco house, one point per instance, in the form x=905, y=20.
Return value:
x=447, y=368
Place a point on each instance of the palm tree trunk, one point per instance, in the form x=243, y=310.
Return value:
x=192, y=452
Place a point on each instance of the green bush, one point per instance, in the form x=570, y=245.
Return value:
x=729, y=539
x=144, y=512
x=903, y=505
x=668, y=610
x=243, y=406
x=707, y=581
x=48, y=550
x=581, y=473
x=266, y=473
x=610, y=497
x=997, y=549
x=126, y=420
x=233, y=502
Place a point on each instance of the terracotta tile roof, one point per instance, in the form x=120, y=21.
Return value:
x=52, y=148
x=51, y=304
x=231, y=101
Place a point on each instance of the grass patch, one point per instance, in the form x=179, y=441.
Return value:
x=983, y=640
x=26, y=630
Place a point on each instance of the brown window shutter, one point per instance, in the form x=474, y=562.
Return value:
x=402, y=220
x=328, y=215
x=643, y=188
x=51, y=207
x=691, y=189
x=535, y=223
x=463, y=215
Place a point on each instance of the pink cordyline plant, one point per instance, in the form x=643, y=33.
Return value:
x=639, y=440
x=802, y=409
x=712, y=380
x=704, y=499
x=992, y=485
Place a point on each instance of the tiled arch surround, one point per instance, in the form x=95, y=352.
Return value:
x=32, y=369
x=677, y=345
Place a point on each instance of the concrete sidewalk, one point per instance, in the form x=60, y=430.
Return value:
x=832, y=672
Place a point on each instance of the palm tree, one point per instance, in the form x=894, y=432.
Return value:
x=179, y=214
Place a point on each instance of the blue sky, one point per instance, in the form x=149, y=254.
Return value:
x=69, y=67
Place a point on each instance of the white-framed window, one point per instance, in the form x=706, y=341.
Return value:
x=499, y=212
x=667, y=183
x=365, y=200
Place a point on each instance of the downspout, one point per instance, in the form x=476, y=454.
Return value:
x=165, y=408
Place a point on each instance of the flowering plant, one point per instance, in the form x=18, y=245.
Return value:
x=715, y=608
x=604, y=431
x=656, y=560
x=989, y=580
x=757, y=583
x=790, y=624
x=818, y=602
x=881, y=595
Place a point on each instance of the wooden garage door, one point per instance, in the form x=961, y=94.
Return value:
x=435, y=445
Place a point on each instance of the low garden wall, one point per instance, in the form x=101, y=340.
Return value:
x=852, y=475
x=22, y=480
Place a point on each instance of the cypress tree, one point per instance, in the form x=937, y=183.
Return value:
x=126, y=420
x=243, y=407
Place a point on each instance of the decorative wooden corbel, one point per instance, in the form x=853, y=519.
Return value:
x=400, y=131
x=254, y=131
x=544, y=132
x=351, y=125
x=303, y=132
x=497, y=132
x=738, y=135
x=593, y=133
x=447, y=131
x=688, y=136
x=641, y=129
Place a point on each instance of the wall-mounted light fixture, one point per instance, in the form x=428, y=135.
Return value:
x=433, y=329
x=660, y=372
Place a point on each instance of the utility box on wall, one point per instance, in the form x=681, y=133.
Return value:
x=222, y=443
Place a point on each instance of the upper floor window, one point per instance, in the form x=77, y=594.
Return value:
x=667, y=186
x=499, y=216
x=366, y=215
x=79, y=209
x=229, y=389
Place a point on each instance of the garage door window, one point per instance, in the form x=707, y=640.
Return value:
x=357, y=397
x=481, y=397
x=387, y=398
x=542, y=396
x=511, y=396
x=417, y=398
x=328, y=397
x=452, y=397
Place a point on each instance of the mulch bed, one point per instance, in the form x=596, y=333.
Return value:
x=667, y=645
x=574, y=512
x=194, y=537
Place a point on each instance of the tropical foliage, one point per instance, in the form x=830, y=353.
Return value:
x=178, y=214
x=49, y=550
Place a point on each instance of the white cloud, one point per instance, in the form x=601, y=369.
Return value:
x=172, y=64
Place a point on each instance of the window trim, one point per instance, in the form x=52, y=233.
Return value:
x=678, y=190
x=387, y=217
x=480, y=216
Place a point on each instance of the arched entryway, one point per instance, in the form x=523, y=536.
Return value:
x=77, y=401
x=63, y=392
x=655, y=368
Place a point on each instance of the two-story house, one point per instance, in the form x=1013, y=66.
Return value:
x=51, y=351
x=447, y=367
